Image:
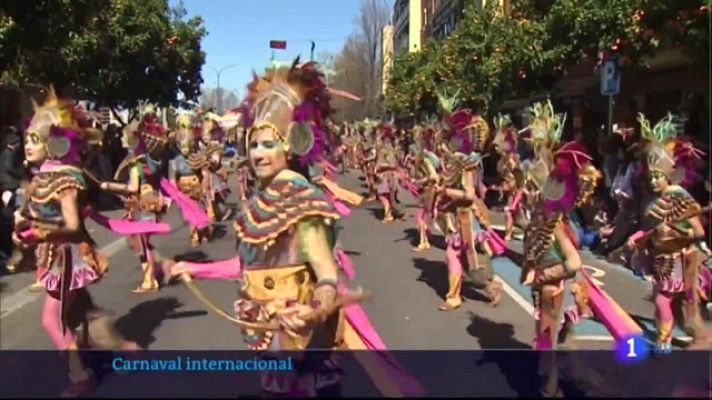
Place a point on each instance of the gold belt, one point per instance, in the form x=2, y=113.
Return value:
x=188, y=180
x=294, y=282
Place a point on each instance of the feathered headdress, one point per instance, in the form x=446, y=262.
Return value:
x=479, y=131
x=294, y=102
x=572, y=178
x=546, y=127
x=184, y=120
x=63, y=128
x=386, y=133
x=667, y=153
x=447, y=103
x=456, y=136
x=505, y=137
x=145, y=134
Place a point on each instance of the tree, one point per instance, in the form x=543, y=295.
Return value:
x=373, y=17
x=115, y=53
x=351, y=74
x=415, y=76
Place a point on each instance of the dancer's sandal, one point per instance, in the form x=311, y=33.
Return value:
x=37, y=286
x=495, y=294
x=421, y=247
x=449, y=307
x=142, y=289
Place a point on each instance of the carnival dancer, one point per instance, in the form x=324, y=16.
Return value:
x=553, y=264
x=146, y=142
x=386, y=166
x=505, y=143
x=185, y=171
x=291, y=296
x=426, y=173
x=215, y=176
x=675, y=237
x=478, y=130
x=457, y=207
x=51, y=217
x=369, y=158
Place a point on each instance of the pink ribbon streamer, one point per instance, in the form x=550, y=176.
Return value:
x=616, y=320
x=190, y=210
x=126, y=227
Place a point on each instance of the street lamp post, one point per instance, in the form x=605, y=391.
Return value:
x=218, y=72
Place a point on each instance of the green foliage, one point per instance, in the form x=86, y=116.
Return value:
x=491, y=57
x=412, y=87
x=113, y=52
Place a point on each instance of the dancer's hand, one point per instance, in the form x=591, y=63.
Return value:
x=663, y=229
x=16, y=240
x=292, y=319
x=180, y=268
x=104, y=186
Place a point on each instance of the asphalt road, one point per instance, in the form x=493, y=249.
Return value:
x=408, y=287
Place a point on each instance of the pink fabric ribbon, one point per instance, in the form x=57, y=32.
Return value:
x=125, y=227
x=190, y=210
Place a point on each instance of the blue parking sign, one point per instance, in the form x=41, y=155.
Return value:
x=610, y=76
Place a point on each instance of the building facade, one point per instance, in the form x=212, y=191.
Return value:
x=401, y=26
x=445, y=16
x=387, y=57
x=408, y=25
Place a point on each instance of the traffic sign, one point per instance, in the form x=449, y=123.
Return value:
x=610, y=76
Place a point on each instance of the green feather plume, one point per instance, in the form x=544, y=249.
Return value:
x=545, y=125
x=664, y=130
x=448, y=104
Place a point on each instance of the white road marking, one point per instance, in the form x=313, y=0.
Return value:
x=595, y=273
x=24, y=296
x=595, y=338
x=528, y=307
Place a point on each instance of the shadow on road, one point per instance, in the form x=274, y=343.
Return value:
x=377, y=212
x=518, y=367
x=517, y=258
x=219, y=232
x=493, y=335
x=433, y=273
x=412, y=235
x=141, y=321
x=191, y=255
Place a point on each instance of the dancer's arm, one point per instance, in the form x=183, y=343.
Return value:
x=572, y=257
x=468, y=194
x=225, y=269
x=70, y=226
x=130, y=188
x=315, y=248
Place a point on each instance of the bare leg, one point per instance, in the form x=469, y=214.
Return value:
x=82, y=378
x=664, y=321
x=149, y=283
x=387, y=210
x=454, y=267
x=423, y=244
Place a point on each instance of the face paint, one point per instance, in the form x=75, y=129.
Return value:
x=35, y=150
x=658, y=181
x=267, y=154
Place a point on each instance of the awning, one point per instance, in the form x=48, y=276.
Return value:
x=574, y=87
x=515, y=104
